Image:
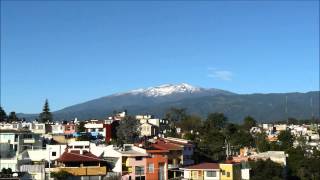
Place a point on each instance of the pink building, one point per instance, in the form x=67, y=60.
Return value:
x=135, y=166
x=70, y=128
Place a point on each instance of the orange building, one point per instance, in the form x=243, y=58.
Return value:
x=157, y=164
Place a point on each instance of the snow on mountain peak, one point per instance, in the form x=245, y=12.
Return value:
x=166, y=89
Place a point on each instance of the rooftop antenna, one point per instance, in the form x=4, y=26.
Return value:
x=311, y=106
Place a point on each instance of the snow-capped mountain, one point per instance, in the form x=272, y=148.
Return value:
x=165, y=89
x=197, y=100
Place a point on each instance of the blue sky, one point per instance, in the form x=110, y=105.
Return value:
x=70, y=52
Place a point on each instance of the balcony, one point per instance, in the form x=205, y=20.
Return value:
x=173, y=166
x=83, y=171
x=29, y=141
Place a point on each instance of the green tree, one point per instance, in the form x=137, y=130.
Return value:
x=171, y=132
x=60, y=175
x=215, y=121
x=127, y=131
x=248, y=123
x=12, y=117
x=301, y=166
x=286, y=139
x=212, y=144
x=309, y=169
x=292, y=121
x=3, y=115
x=296, y=155
x=175, y=115
x=46, y=115
x=261, y=170
x=261, y=142
x=242, y=139
x=6, y=171
x=81, y=127
x=190, y=123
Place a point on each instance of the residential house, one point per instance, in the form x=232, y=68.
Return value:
x=179, y=155
x=129, y=161
x=100, y=128
x=70, y=128
x=38, y=128
x=57, y=128
x=10, y=126
x=13, y=142
x=79, y=161
x=149, y=130
x=159, y=125
x=230, y=171
x=157, y=163
x=202, y=171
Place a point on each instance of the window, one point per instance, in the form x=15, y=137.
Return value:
x=211, y=174
x=140, y=178
x=86, y=147
x=223, y=172
x=139, y=170
x=151, y=168
x=27, y=136
x=138, y=158
x=228, y=174
x=40, y=126
x=53, y=153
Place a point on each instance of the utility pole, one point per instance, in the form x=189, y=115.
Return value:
x=227, y=148
x=311, y=106
x=286, y=109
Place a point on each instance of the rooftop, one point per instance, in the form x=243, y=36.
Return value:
x=75, y=156
x=204, y=166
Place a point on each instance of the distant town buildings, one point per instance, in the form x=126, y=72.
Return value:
x=35, y=150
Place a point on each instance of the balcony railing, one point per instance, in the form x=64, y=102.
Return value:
x=29, y=141
x=81, y=171
x=172, y=166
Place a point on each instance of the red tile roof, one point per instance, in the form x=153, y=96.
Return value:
x=166, y=146
x=204, y=166
x=75, y=156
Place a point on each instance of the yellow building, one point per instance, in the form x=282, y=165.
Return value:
x=230, y=171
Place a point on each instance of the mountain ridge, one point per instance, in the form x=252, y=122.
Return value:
x=156, y=100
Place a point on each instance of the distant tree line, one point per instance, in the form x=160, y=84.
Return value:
x=44, y=117
x=215, y=133
x=12, y=117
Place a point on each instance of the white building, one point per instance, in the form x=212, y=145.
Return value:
x=10, y=126
x=118, y=155
x=57, y=128
x=275, y=156
x=12, y=143
x=147, y=129
x=95, y=127
x=38, y=128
